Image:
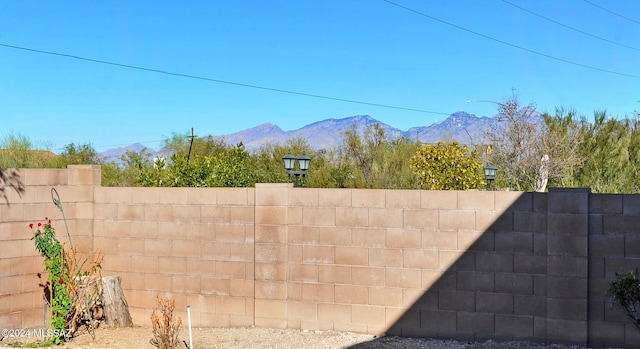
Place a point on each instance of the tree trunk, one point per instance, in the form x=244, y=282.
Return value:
x=116, y=310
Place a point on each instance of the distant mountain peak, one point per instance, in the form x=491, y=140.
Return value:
x=266, y=126
x=460, y=126
x=358, y=119
x=461, y=114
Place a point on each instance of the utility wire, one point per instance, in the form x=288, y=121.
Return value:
x=569, y=27
x=108, y=146
x=220, y=81
x=611, y=12
x=510, y=44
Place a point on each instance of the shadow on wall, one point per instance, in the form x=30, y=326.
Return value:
x=10, y=179
x=524, y=278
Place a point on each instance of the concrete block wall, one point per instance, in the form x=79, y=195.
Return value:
x=21, y=299
x=271, y=251
x=452, y=264
x=614, y=247
x=567, y=266
x=194, y=245
x=416, y=263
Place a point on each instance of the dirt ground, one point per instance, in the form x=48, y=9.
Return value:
x=241, y=338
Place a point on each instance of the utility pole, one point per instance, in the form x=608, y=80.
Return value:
x=190, y=145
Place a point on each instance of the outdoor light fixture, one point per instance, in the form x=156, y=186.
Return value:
x=290, y=163
x=490, y=174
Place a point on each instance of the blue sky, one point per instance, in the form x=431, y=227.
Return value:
x=430, y=56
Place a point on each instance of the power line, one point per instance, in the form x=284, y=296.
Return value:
x=510, y=44
x=118, y=145
x=92, y=60
x=611, y=12
x=572, y=28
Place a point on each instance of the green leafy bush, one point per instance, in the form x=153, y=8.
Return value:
x=71, y=287
x=447, y=166
x=625, y=290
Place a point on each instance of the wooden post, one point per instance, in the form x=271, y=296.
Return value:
x=116, y=310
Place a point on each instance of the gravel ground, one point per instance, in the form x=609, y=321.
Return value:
x=262, y=338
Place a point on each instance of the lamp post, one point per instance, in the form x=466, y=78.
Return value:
x=290, y=162
x=490, y=174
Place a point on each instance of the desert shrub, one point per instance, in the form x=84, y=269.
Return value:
x=166, y=326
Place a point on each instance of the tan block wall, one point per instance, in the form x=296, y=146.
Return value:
x=452, y=264
x=369, y=261
x=21, y=300
x=193, y=245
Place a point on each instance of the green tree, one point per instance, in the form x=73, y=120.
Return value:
x=184, y=172
x=81, y=154
x=634, y=154
x=268, y=165
x=447, y=166
x=353, y=154
x=605, y=145
x=326, y=171
x=194, y=146
x=114, y=175
x=232, y=168
x=561, y=142
x=18, y=151
x=229, y=168
x=399, y=174
x=153, y=174
x=373, y=160
x=136, y=166
x=337, y=175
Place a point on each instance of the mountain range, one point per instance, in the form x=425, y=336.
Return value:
x=462, y=127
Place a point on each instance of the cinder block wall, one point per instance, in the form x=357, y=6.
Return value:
x=466, y=265
x=614, y=247
x=452, y=264
x=21, y=300
x=194, y=245
x=489, y=281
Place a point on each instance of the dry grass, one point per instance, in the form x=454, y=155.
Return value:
x=166, y=326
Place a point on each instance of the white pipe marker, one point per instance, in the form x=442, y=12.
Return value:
x=189, y=321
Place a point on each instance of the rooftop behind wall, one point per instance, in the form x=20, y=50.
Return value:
x=452, y=264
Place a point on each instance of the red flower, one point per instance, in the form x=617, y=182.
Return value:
x=39, y=223
x=61, y=280
x=31, y=225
